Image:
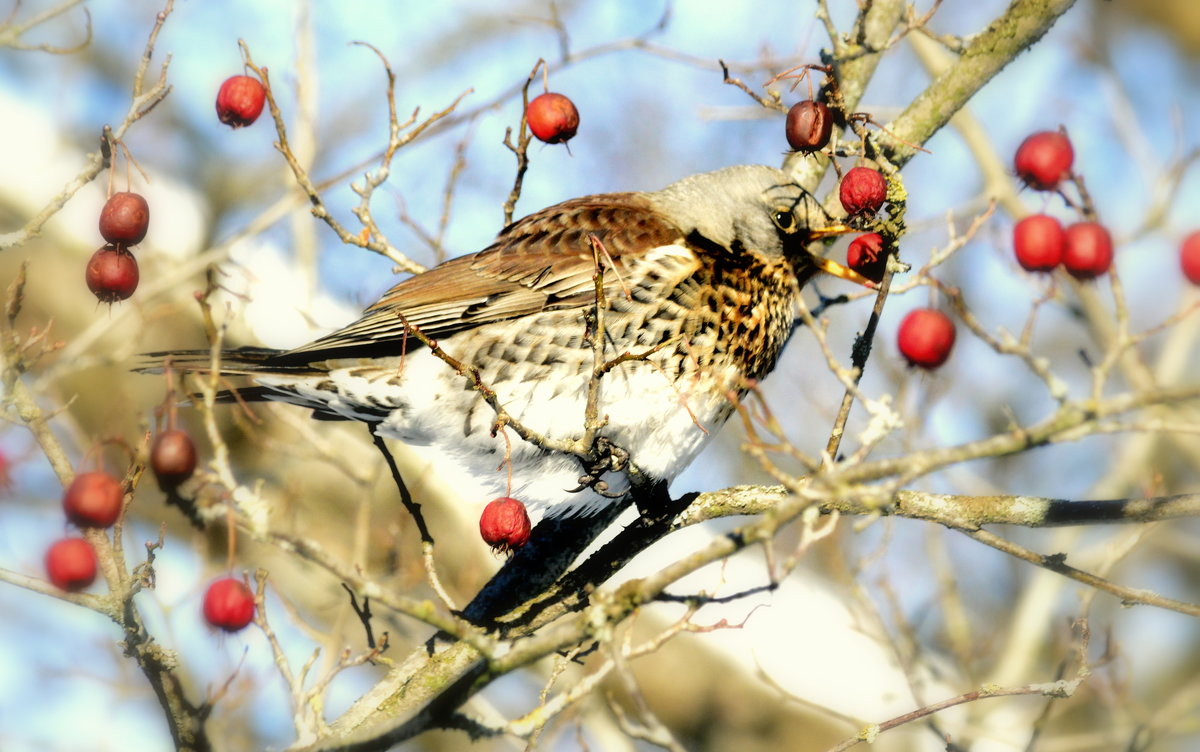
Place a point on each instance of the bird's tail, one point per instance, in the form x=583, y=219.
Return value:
x=235, y=362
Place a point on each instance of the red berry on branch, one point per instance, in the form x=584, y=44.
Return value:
x=862, y=191
x=240, y=101
x=1189, y=257
x=112, y=274
x=865, y=256
x=93, y=499
x=173, y=458
x=1044, y=159
x=926, y=337
x=124, y=219
x=1038, y=241
x=808, y=126
x=1087, y=250
x=228, y=604
x=5, y=472
x=552, y=118
x=71, y=564
x=504, y=524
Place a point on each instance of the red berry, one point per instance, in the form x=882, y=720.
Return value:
x=863, y=191
x=1189, y=257
x=5, y=472
x=808, y=126
x=112, y=274
x=173, y=458
x=1038, y=242
x=228, y=604
x=552, y=118
x=71, y=564
x=504, y=524
x=1044, y=159
x=93, y=499
x=865, y=256
x=240, y=101
x=124, y=219
x=1087, y=251
x=926, y=337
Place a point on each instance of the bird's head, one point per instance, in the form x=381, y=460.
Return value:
x=760, y=209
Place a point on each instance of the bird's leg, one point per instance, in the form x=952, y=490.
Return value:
x=653, y=499
x=649, y=494
x=405, y=496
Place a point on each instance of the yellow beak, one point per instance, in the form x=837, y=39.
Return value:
x=829, y=266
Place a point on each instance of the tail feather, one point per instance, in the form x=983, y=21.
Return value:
x=244, y=394
x=236, y=361
x=241, y=361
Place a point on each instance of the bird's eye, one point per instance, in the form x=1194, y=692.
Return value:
x=784, y=220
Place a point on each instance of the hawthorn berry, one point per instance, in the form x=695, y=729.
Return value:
x=866, y=256
x=112, y=274
x=172, y=458
x=1087, y=250
x=5, y=472
x=552, y=118
x=228, y=604
x=1189, y=257
x=125, y=218
x=1038, y=242
x=504, y=524
x=93, y=499
x=926, y=337
x=240, y=101
x=71, y=564
x=863, y=191
x=808, y=126
x=1043, y=159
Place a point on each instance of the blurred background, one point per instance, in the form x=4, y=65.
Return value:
x=881, y=618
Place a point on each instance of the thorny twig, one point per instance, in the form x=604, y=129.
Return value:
x=12, y=31
x=307, y=702
x=521, y=149
x=1059, y=689
x=774, y=103
x=372, y=238
x=414, y=510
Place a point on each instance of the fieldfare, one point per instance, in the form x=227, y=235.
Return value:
x=700, y=283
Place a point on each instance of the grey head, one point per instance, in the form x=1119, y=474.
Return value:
x=755, y=208
x=745, y=207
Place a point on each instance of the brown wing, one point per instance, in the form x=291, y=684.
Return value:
x=539, y=263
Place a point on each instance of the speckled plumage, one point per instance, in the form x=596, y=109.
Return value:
x=707, y=270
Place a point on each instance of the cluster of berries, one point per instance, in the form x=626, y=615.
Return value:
x=95, y=499
x=1084, y=249
x=926, y=335
x=862, y=190
x=112, y=272
x=1043, y=162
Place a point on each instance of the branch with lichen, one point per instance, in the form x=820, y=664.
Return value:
x=855, y=57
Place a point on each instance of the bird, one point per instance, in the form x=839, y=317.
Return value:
x=663, y=307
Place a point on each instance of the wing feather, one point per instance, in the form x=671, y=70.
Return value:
x=539, y=263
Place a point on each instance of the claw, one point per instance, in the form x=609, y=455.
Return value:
x=608, y=458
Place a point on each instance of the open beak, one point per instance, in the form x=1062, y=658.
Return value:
x=829, y=266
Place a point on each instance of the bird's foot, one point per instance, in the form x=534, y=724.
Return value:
x=606, y=457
